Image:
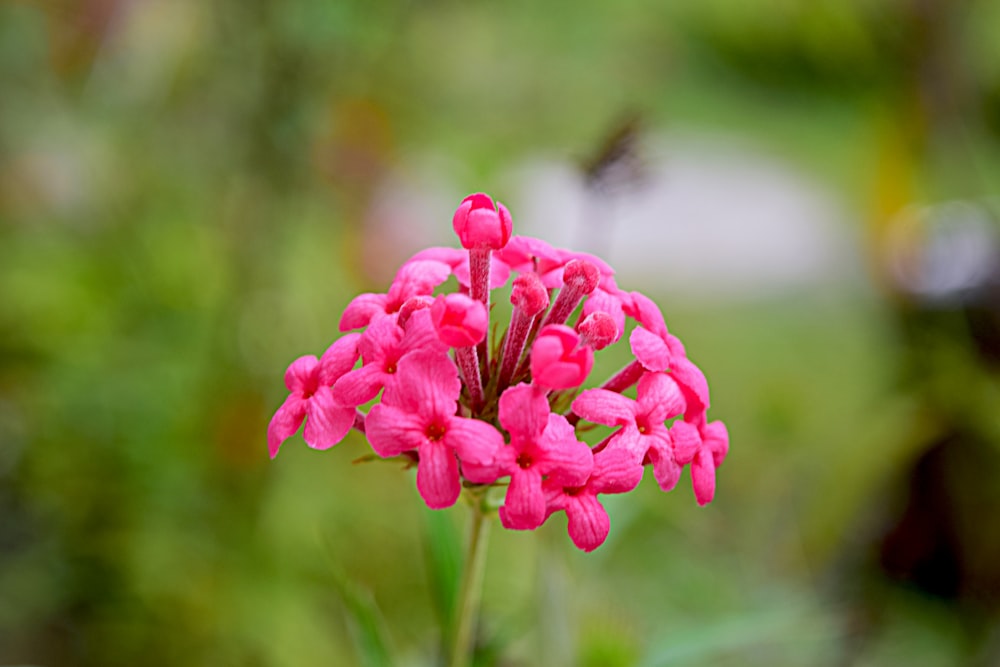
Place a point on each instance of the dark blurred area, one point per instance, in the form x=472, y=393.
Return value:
x=191, y=192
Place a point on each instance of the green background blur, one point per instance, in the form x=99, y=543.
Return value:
x=184, y=190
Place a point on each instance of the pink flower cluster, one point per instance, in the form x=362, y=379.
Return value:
x=509, y=413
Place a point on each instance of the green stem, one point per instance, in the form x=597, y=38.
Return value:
x=470, y=591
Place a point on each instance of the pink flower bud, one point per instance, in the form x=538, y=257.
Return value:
x=557, y=359
x=598, y=330
x=459, y=320
x=480, y=224
x=529, y=294
x=581, y=276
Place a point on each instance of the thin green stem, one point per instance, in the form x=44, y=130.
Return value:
x=470, y=590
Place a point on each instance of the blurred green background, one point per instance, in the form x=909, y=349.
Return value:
x=191, y=191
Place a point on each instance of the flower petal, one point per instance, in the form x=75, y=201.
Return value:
x=285, y=422
x=362, y=310
x=302, y=375
x=360, y=385
x=417, y=278
x=686, y=441
x=703, y=477
x=524, y=412
x=659, y=397
x=392, y=431
x=327, y=422
x=693, y=385
x=524, y=505
x=437, y=475
x=588, y=522
x=666, y=470
x=716, y=438
x=649, y=349
x=338, y=359
x=476, y=442
x=615, y=471
x=426, y=381
x=605, y=407
x=566, y=461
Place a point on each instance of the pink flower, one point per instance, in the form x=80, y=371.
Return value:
x=557, y=359
x=642, y=431
x=444, y=368
x=459, y=320
x=657, y=350
x=309, y=379
x=527, y=254
x=382, y=346
x=415, y=278
x=458, y=260
x=418, y=413
x=542, y=446
x=614, y=472
x=704, y=446
x=481, y=224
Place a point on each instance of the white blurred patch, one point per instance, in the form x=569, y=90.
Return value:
x=711, y=218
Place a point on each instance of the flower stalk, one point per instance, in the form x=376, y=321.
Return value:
x=470, y=590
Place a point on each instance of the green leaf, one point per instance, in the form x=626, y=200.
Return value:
x=365, y=623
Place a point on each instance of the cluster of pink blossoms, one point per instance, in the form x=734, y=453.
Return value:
x=509, y=413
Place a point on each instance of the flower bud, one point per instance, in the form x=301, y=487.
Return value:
x=558, y=361
x=480, y=224
x=459, y=320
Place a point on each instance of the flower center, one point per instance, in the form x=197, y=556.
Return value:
x=524, y=461
x=435, y=432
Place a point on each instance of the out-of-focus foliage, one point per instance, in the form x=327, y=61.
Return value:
x=185, y=198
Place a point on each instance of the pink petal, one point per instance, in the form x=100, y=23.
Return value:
x=588, y=522
x=392, y=431
x=285, y=422
x=437, y=475
x=426, y=382
x=417, y=278
x=523, y=252
x=693, y=384
x=659, y=397
x=650, y=350
x=302, y=376
x=645, y=311
x=421, y=334
x=524, y=411
x=566, y=461
x=665, y=469
x=605, y=407
x=327, y=422
x=359, y=386
x=615, y=471
x=450, y=256
x=380, y=341
x=686, y=441
x=362, y=310
x=703, y=477
x=338, y=359
x=524, y=505
x=476, y=442
x=716, y=438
